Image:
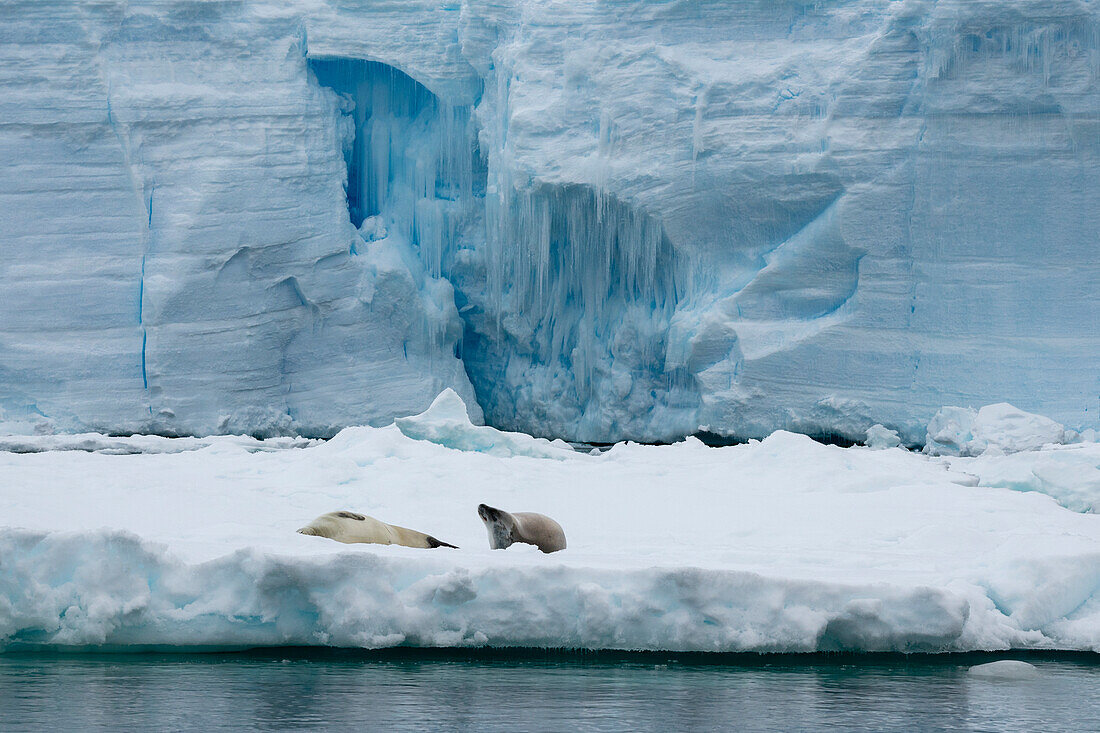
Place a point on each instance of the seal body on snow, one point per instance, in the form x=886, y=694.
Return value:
x=350, y=527
x=506, y=528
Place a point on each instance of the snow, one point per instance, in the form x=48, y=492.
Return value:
x=603, y=220
x=1070, y=474
x=784, y=544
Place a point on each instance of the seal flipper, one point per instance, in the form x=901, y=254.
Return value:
x=434, y=543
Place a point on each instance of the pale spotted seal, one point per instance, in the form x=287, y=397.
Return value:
x=351, y=527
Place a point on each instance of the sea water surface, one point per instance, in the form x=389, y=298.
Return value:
x=453, y=691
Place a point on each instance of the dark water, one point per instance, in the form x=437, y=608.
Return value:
x=437, y=692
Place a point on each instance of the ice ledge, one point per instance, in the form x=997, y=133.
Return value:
x=113, y=589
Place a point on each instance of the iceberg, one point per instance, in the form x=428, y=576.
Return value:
x=291, y=217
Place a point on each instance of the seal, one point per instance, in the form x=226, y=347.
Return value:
x=350, y=527
x=533, y=529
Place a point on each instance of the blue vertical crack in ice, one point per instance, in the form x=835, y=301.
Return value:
x=566, y=293
x=147, y=201
x=141, y=293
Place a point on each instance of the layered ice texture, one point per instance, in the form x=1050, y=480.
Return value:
x=593, y=220
x=784, y=545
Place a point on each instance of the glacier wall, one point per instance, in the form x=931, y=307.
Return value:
x=177, y=251
x=607, y=219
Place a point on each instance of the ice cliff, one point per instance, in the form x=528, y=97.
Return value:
x=605, y=220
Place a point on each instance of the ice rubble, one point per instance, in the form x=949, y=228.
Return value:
x=1069, y=474
x=777, y=545
x=730, y=216
x=1067, y=468
x=1001, y=428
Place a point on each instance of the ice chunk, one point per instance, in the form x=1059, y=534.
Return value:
x=950, y=432
x=962, y=431
x=1004, y=669
x=447, y=423
x=1088, y=435
x=879, y=437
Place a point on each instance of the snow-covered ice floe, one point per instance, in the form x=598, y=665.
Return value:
x=783, y=544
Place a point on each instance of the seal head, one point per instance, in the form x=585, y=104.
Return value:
x=498, y=524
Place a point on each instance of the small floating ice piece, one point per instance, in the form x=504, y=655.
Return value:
x=1005, y=669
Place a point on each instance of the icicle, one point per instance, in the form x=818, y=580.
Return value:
x=578, y=287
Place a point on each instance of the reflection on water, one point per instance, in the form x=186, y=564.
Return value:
x=296, y=689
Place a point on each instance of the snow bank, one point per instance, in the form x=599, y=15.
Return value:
x=1000, y=428
x=783, y=544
